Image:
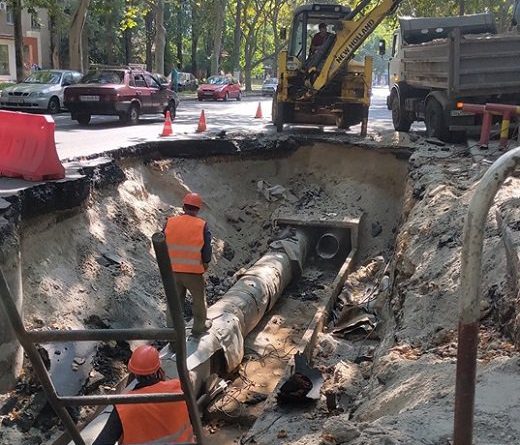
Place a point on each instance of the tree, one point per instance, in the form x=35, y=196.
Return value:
x=219, y=15
x=160, y=37
x=76, y=36
x=18, y=39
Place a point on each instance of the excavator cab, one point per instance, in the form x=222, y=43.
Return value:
x=305, y=25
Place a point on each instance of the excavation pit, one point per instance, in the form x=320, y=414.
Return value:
x=97, y=260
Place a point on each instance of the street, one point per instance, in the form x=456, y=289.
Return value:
x=106, y=133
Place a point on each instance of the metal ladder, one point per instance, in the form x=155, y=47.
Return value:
x=29, y=339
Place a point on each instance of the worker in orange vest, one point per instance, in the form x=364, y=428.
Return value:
x=189, y=248
x=144, y=423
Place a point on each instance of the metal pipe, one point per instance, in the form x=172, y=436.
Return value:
x=175, y=310
x=100, y=335
x=328, y=246
x=112, y=399
x=11, y=352
x=486, y=129
x=469, y=301
x=37, y=362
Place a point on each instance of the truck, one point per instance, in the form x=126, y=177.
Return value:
x=439, y=63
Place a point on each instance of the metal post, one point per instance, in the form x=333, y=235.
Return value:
x=504, y=129
x=469, y=301
x=36, y=360
x=175, y=308
x=485, y=130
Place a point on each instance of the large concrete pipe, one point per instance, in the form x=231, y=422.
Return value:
x=11, y=352
x=241, y=308
x=234, y=316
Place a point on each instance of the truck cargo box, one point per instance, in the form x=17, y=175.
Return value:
x=465, y=65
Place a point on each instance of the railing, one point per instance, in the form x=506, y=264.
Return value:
x=29, y=339
x=469, y=302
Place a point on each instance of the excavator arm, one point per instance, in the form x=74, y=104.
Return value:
x=349, y=37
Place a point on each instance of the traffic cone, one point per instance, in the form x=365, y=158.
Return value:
x=167, y=129
x=258, y=114
x=202, y=122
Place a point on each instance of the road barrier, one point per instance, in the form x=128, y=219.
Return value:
x=487, y=111
x=27, y=147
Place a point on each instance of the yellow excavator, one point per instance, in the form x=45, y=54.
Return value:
x=324, y=85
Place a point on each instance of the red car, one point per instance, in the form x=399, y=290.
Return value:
x=220, y=87
x=124, y=92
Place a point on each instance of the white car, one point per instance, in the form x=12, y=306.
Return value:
x=42, y=90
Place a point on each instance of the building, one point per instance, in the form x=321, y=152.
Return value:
x=36, y=41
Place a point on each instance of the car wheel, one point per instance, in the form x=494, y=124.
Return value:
x=133, y=114
x=239, y=97
x=172, y=109
x=200, y=99
x=54, y=105
x=83, y=119
x=226, y=97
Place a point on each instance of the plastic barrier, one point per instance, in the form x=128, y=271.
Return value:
x=27, y=147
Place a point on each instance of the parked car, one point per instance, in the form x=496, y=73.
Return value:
x=163, y=80
x=42, y=90
x=220, y=87
x=126, y=92
x=187, y=82
x=269, y=86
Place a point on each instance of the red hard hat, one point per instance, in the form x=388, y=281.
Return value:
x=144, y=361
x=193, y=199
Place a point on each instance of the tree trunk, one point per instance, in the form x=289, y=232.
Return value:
x=178, y=37
x=237, y=37
x=18, y=39
x=219, y=15
x=75, y=35
x=110, y=38
x=160, y=37
x=54, y=40
x=462, y=7
x=248, y=68
x=84, y=48
x=128, y=45
x=194, y=37
x=148, y=27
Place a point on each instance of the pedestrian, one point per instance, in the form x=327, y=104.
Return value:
x=141, y=423
x=189, y=247
x=175, y=78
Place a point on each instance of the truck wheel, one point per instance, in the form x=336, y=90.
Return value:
x=400, y=119
x=436, y=126
x=435, y=121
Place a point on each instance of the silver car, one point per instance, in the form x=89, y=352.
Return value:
x=269, y=86
x=42, y=90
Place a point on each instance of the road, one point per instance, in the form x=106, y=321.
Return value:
x=106, y=133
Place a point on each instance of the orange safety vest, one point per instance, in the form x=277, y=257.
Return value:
x=185, y=239
x=156, y=423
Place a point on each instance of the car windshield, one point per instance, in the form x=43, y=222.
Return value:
x=104, y=76
x=48, y=77
x=218, y=80
x=273, y=81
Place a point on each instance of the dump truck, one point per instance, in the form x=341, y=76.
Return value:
x=437, y=63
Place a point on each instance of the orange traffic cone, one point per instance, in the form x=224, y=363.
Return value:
x=167, y=129
x=258, y=114
x=202, y=122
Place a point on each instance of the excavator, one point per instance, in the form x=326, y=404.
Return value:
x=326, y=86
